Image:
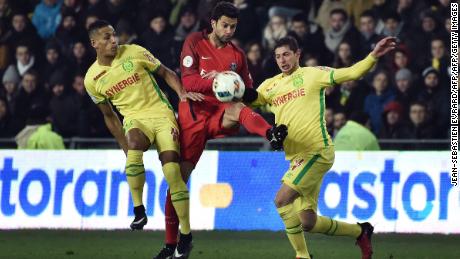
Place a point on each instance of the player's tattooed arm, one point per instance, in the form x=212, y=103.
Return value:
x=174, y=82
x=114, y=125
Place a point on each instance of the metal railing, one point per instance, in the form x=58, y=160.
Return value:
x=244, y=144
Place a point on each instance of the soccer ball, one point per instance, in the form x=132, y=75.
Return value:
x=228, y=86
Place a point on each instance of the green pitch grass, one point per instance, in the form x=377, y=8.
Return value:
x=70, y=244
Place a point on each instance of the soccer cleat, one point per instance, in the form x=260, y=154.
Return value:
x=165, y=253
x=311, y=257
x=364, y=240
x=140, y=218
x=276, y=136
x=184, y=247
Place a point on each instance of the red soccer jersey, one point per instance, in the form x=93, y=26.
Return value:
x=199, y=57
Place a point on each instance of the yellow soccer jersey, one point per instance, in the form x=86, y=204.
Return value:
x=129, y=84
x=298, y=102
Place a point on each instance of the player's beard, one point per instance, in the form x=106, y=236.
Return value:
x=223, y=39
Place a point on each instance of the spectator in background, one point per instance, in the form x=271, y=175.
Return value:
x=400, y=60
x=405, y=92
x=340, y=118
x=324, y=11
x=344, y=56
x=375, y=101
x=439, y=60
x=436, y=99
x=394, y=27
x=29, y=94
x=38, y=133
x=126, y=33
x=67, y=33
x=341, y=29
x=5, y=12
x=419, y=127
x=368, y=35
x=249, y=28
x=94, y=8
x=25, y=59
x=255, y=54
x=352, y=96
x=421, y=38
x=53, y=62
x=275, y=29
x=310, y=60
x=355, y=135
x=47, y=17
x=24, y=33
x=393, y=126
x=91, y=122
x=309, y=36
x=64, y=107
x=5, y=35
x=158, y=39
x=8, y=125
x=10, y=92
x=120, y=9
x=189, y=23
x=80, y=58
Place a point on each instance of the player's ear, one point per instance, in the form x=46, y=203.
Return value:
x=213, y=24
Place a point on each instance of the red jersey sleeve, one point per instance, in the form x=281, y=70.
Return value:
x=191, y=78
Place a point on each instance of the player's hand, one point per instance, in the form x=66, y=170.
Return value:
x=384, y=46
x=210, y=75
x=197, y=97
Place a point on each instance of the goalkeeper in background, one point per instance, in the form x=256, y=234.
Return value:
x=122, y=75
x=296, y=97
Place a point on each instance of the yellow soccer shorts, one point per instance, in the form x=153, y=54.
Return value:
x=163, y=132
x=305, y=175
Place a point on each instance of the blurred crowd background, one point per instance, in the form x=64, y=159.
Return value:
x=45, y=52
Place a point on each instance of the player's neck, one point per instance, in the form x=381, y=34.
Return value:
x=104, y=60
x=215, y=41
x=288, y=73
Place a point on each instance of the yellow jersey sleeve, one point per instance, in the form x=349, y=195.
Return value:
x=327, y=76
x=90, y=86
x=262, y=99
x=146, y=59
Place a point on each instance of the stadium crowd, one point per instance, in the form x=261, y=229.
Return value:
x=45, y=53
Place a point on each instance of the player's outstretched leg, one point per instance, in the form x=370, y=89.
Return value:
x=255, y=124
x=364, y=240
x=135, y=174
x=180, y=200
x=362, y=232
x=172, y=230
x=284, y=204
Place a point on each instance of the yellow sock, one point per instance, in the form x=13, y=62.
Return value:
x=333, y=227
x=135, y=174
x=294, y=230
x=179, y=195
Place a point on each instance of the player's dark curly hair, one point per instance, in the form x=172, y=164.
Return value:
x=289, y=41
x=224, y=9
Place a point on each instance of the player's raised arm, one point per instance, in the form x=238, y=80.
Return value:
x=191, y=77
x=359, y=69
x=174, y=82
x=113, y=124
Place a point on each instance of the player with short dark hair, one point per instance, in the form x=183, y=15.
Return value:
x=204, y=54
x=297, y=99
x=123, y=76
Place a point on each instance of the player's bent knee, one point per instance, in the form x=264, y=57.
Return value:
x=307, y=226
x=168, y=157
x=280, y=202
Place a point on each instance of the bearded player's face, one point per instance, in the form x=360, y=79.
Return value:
x=224, y=28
